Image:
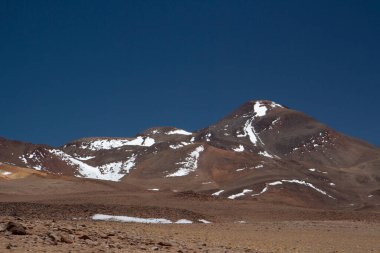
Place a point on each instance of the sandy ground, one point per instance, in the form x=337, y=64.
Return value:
x=295, y=236
x=57, y=215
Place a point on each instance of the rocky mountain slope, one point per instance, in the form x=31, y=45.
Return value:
x=262, y=151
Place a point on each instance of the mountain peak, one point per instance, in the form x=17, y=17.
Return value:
x=260, y=107
x=255, y=108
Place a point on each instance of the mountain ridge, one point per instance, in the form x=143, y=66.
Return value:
x=262, y=150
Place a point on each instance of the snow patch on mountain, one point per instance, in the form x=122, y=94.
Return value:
x=23, y=159
x=38, y=167
x=148, y=142
x=33, y=160
x=266, y=154
x=217, y=193
x=295, y=181
x=260, y=109
x=239, y=149
x=274, y=122
x=116, y=170
x=204, y=221
x=84, y=169
x=179, y=145
x=249, y=130
x=189, y=165
x=85, y=158
x=316, y=170
x=241, y=194
x=117, y=143
x=36, y=156
x=301, y=182
x=267, y=187
x=112, y=171
x=179, y=131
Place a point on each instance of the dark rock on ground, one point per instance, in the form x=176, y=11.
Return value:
x=15, y=228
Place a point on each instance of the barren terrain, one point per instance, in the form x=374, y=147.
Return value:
x=59, y=220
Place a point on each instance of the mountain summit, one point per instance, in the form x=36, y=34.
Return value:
x=262, y=151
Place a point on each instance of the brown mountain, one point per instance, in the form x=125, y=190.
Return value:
x=262, y=151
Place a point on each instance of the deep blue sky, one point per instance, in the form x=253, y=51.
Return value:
x=70, y=69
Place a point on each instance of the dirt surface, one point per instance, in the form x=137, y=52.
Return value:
x=64, y=224
x=90, y=236
x=55, y=215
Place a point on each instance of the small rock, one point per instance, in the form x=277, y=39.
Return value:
x=103, y=236
x=155, y=248
x=165, y=244
x=91, y=243
x=111, y=233
x=66, y=239
x=84, y=237
x=54, y=237
x=15, y=228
